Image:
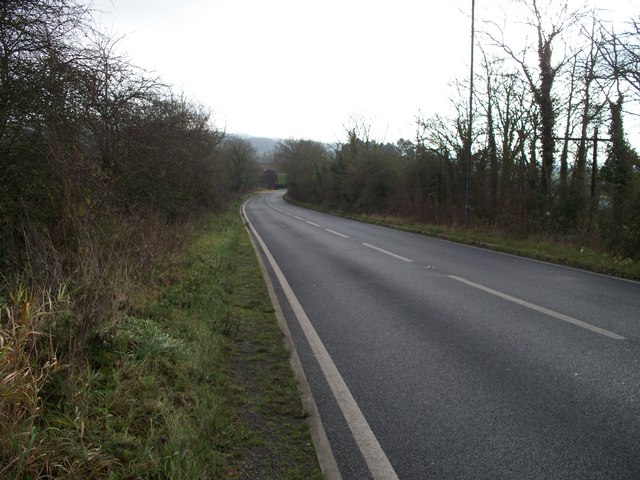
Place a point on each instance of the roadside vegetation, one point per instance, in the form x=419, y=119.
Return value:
x=136, y=336
x=192, y=382
x=552, y=173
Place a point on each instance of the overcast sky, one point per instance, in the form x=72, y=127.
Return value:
x=305, y=68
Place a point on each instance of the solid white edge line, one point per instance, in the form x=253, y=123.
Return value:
x=387, y=252
x=374, y=456
x=336, y=233
x=546, y=311
x=324, y=453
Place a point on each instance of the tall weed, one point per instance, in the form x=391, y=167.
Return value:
x=28, y=359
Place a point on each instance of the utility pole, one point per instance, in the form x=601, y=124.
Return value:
x=470, y=140
x=594, y=175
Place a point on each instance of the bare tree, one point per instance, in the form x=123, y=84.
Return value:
x=591, y=107
x=111, y=87
x=569, y=114
x=541, y=75
x=30, y=32
x=241, y=164
x=621, y=52
x=492, y=145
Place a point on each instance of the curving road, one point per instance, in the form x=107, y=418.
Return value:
x=433, y=360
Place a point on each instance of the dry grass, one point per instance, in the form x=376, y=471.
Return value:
x=51, y=399
x=27, y=361
x=120, y=373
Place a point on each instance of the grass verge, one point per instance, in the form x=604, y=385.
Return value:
x=194, y=383
x=563, y=251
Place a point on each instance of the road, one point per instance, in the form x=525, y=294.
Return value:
x=433, y=360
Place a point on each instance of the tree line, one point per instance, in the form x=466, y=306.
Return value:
x=101, y=163
x=105, y=172
x=550, y=153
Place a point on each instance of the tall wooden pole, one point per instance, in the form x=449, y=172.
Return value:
x=470, y=139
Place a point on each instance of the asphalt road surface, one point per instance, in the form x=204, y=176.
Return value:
x=433, y=360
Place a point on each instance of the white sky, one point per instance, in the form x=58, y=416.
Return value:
x=305, y=68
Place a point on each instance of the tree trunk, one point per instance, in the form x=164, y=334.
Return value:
x=547, y=113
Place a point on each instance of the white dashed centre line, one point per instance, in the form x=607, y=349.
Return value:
x=387, y=252
x=314, y=224
x=336, y=233
x=537, y=308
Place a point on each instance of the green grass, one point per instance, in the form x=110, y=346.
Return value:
x=194, y=383
x=564, y=251
x=238, y=412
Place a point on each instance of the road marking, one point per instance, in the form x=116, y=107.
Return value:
x=314, y=224
x=546, y=311
x=372, y=452
x=297, y=217
x=336, y=233
x=387, y=252
x=325, y=455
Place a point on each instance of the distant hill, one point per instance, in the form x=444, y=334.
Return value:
x=266, y=146
x=263, y=145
